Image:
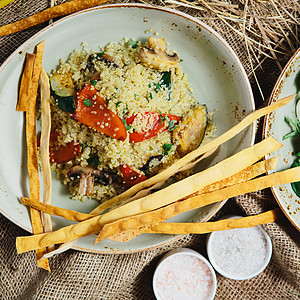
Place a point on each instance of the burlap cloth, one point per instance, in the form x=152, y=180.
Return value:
x=79, y=275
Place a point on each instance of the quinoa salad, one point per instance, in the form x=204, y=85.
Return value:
x=120, y=115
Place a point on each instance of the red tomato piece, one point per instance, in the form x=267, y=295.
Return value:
x=91, y=110
x=159, y=125
x=131, y=177
x=63, y=154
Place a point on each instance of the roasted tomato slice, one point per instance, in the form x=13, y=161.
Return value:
x=158, y=125
x=131, y=177
x=62, y=154
x=91, y=110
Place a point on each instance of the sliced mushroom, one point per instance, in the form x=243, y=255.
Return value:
x=156, y=55
x=96, y=76
x=190, y=132
x=152, y=159
x=87, y=176
x=108, y=59
x=111, y=60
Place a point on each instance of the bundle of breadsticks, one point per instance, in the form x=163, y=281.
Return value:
x=137, y=210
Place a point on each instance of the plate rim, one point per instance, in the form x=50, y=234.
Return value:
x=274, y=94
x=166, y=10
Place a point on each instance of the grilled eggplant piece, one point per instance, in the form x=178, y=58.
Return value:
x=189, y=134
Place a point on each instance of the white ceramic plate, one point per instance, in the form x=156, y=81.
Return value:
x=214, y=70
x=287, y=84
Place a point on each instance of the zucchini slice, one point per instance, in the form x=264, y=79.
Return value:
x=63, y=91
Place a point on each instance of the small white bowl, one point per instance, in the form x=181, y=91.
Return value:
x=230, y=259
x=173, y=271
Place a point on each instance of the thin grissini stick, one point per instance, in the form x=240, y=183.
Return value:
x=249, y=173
x=193, y=163
x=191, y=184
x=114, y=201
x=158, y=178
x=93, y=225
x=48, y=14
x=32, y=156
x=24, y=90
x=190, y=165
x=193, y=155
x=44, y=147
x=207, y=227
x=71, y=215
x=244, y=175
x=174, y=209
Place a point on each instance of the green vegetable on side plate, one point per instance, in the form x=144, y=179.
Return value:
x=296, y=185
x=295, y=126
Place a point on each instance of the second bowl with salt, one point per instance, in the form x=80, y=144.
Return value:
x=240, y=253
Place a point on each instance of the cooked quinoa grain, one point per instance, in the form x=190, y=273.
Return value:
x=115, y=87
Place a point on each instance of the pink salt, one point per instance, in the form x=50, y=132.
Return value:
x=184, y=277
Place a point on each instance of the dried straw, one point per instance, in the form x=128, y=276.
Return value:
x=269, y=29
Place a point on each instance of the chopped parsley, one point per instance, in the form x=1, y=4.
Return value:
x=99, y=54
x=162, y=118
x=150, y=96
x=127, y=127
x=118, y=103
x=172, y=125
x=87, y=102
x=125, y=111
x=167, y=148
x=94, y=82
x=133, y=44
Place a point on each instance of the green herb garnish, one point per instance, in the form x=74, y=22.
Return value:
x=133, y=44
x=167, y=148
x=172, y=125
x=118, y=103
x=127, y=127
x=93, y=161
x=135, y=95
x=157, y=87
x=125, y=111
x=87, y=102
x=162, y=119
x=296, y=185
x=165, y=81
x=94, y=82
x=295, y=126
x=99, y=54
x=150, y=96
